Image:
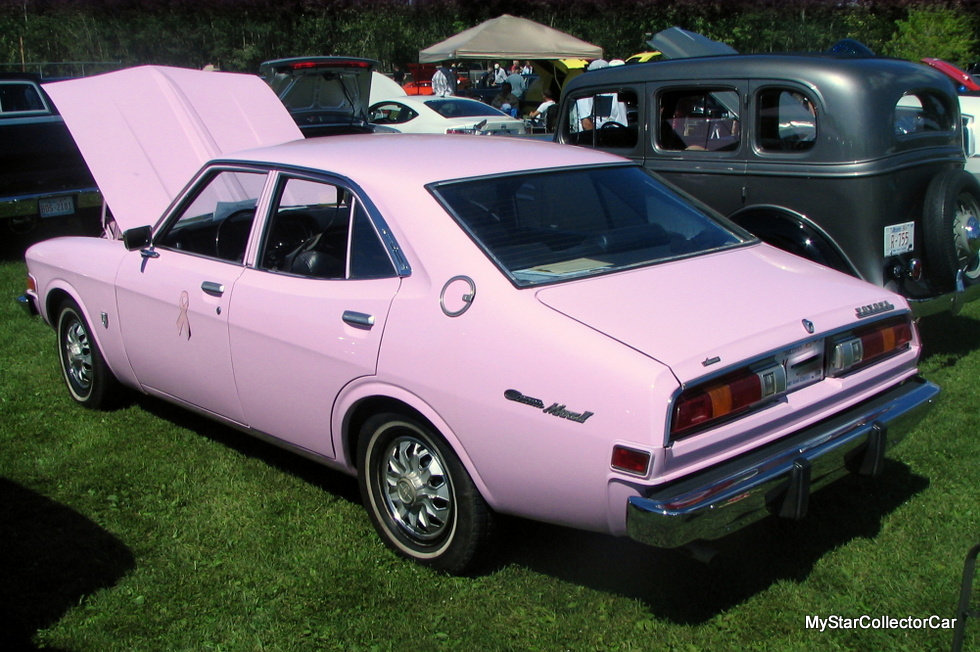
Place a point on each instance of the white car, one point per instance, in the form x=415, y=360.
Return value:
x=443, y=115
x=970, y=112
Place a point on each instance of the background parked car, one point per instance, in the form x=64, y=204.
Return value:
x=443, y=115
x=42, y=174
x=325, y=95
x=855, y=162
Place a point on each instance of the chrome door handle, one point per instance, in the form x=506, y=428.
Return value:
x=358, y=319
x=212, y=288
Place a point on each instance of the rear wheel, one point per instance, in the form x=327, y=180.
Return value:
x=89, y=380
x=419, y=496
x=952, y=227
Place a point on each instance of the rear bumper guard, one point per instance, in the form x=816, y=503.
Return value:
x=779, y=478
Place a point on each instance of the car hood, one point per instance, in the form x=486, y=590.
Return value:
x=677, y=43
x=700, y=315
x=144, y=132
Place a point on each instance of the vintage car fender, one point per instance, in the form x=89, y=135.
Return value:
x=93, y=276
x=793, y=232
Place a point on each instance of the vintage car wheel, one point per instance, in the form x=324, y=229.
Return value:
x=952, y=227
x=89, y=379
x=419, y=496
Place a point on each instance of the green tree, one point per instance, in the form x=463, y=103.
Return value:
x=935, y=31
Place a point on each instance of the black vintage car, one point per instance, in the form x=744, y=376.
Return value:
x=852, y=161
x=42, y=175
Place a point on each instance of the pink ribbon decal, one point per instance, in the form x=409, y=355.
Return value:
x=182, y=321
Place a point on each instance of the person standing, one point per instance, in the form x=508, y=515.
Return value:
x=443, y=82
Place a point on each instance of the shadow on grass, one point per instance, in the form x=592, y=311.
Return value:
x=682, y=590
x=313, y=473
x=52, y=557
x=949, y=337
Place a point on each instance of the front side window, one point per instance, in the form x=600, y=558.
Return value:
x=922, y=113
x=218, y=221
x=20, y=97
x=787, y=120
x=604, y=119
x=563, y=224
x=321, y=230
x=699, y=120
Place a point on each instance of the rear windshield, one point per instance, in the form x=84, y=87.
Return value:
x=551, y=226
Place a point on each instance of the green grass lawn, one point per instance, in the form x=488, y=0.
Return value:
x=151, y=529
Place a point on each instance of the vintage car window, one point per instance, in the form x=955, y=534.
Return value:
x=699, y=120
x=786, y=120
x=218, y=221
x=391, y=113
x=921, y=113
x=557, y=225
x=321, y=230
x=606, y=119
x=19, y=97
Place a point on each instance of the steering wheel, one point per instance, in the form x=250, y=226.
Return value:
x=612, y=124
x=231, y=236
x=289, y=231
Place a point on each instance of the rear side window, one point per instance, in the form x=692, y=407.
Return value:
x=699, y=120
x=922, y=113
x=604, y=119
x=787, y=120
x=18, y=97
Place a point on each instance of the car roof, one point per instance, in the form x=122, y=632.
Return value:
x=419, y=159
x=825, y=70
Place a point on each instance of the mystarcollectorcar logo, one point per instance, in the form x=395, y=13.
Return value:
x=824, y=623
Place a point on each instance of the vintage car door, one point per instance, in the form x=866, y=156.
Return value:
x=308, y=317
x=174, y=298
x=697, y=138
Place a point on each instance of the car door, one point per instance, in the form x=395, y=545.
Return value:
x=697, y=138
x=173, y=298
x=308, y=318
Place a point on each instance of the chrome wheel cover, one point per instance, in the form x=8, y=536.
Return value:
x=77, y=352
x=966, y=236
x=417, y=491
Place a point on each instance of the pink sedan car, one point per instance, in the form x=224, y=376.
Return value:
x=471, y=326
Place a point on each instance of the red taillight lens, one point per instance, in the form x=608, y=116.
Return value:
x=866, y=345
x=630, y=460
x=726, y=396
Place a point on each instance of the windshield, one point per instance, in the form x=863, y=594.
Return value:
x=551, y=226
x=449, y=108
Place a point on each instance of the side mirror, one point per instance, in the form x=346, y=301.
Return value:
x=137, y=238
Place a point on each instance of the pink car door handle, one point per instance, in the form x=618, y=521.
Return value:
x=358, y=319
x=212, y=288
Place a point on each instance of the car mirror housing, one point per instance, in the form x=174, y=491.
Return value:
x=137, y=238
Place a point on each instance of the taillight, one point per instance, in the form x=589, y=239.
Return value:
x=306, y=65
x=726, y=396
x=866, y=345
x=630, y=460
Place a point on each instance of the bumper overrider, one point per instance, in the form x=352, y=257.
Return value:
x=26, y=302
x=778, y=478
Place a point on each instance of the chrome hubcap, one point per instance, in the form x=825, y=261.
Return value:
x=78, y=355
x=416, y=489
x=966, y=239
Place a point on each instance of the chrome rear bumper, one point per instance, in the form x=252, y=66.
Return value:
x=778, y=478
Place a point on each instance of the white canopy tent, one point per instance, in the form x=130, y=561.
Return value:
x=510, y=37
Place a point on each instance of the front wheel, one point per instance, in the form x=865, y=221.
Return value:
x=419, y=496
x=952, y=227
x=89, y=379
